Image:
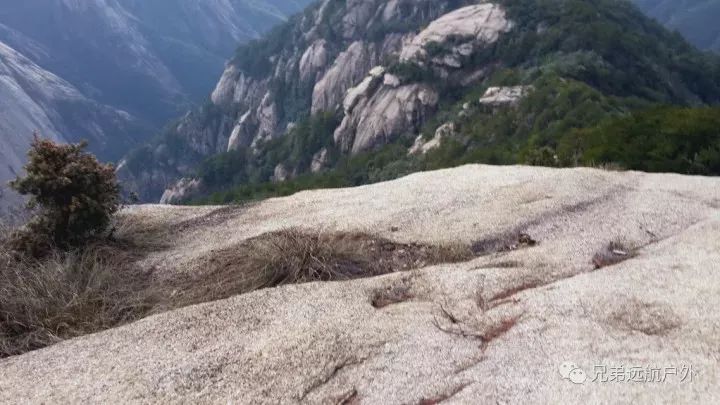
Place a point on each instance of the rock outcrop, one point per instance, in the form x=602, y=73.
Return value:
x=182, y=190
x=324, y=54
x=422, y=145
x=459, y=33
x=349, y=68
x=319, y=161
x=376, y=113
x=506, y=327
x=504, y=96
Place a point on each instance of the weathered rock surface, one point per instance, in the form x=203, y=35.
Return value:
x=422, y=145
x=493, y=330
x=376, y=113
x=234, y=87
x=504, y=96
x=473, y=26
x=184, y=189
x=313, y=60
x=349, y=69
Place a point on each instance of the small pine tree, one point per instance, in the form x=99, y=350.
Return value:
x=74, y=196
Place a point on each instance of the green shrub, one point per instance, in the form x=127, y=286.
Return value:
x=74, y=196
x=544, y=156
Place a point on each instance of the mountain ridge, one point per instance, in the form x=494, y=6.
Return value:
x=695, y=19
x=346, y=59
x=139, y=50
x=35, y=101
x=113, y=71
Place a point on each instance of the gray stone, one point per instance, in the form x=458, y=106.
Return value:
x=496, y=329
x=503, y=96
x=182, y=190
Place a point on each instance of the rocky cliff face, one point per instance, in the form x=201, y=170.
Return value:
x=35, y=100
x=147, y=57
x=386, y=69
x=113, y=71
x=333, y=58
x=325, y=72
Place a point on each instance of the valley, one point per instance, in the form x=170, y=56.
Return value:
x=319, y=99
x=359, y=201
x=112, y=72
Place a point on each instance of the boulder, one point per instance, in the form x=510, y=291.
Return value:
x=280, y=174
x=313, y=60
x=477, y=26
x=504, y=96
x=319, y=161
x=423, y=146
x=180, y=191
x=381, y=113
x=535, y=324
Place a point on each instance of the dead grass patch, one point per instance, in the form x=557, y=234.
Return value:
x=649, y=318
x=134, y=233
x=296, y=256
x=499, y=329
x=65, y=295
x=504, y=243
x=524, y=286
x=69, y=294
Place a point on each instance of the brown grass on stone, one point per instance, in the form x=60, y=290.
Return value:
x=295, y=256
x=67, y=294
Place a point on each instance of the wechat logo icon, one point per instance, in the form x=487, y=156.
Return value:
x=571, y=372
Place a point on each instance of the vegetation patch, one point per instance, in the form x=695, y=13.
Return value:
x=296, y=256
x=72, y=195
x=68, y=294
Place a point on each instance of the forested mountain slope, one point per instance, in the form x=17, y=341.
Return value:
x=113, y=71
x=147, y=57
x=351, y=86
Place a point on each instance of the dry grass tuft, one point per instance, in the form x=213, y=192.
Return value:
x=69, y=294
x=65, y=295
x=392, y=295
x=134, y=232
x=294, y=256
